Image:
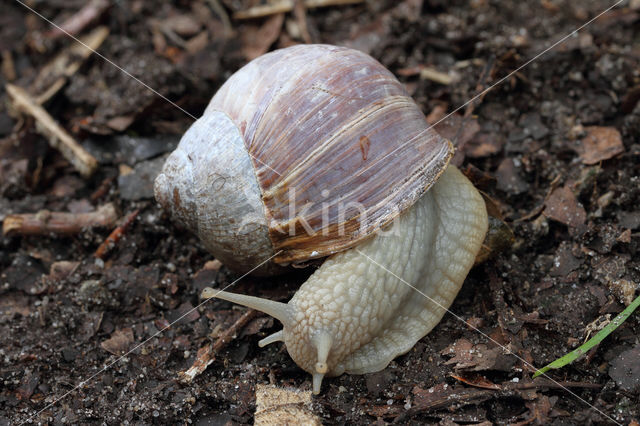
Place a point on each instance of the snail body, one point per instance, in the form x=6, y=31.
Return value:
x=271, y=174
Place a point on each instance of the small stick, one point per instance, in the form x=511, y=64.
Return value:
x=45, y=222
x=466, y=396
x=224, y=17
x=79, y=20
x=115, y=236
x=84, y=162
x=207, y=354
x=8, y=67
x=300, y=13
x=103, y=189
x=286, y=6
x=430, y=73
x=54, y=75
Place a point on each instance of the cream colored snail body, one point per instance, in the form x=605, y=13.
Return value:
x=309, y=152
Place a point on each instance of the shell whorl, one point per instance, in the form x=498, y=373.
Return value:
x=209, y=186
x=338, y=147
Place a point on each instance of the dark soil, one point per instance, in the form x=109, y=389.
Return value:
x=569, y=191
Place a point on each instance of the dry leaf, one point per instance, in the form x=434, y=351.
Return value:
x=258, y=40
x=119, y=341
x=600, y=143
x=467, y=356
x=562, y=206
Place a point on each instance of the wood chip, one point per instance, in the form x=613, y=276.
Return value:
x=58, y=137
x=600, y=143
x=283, y=406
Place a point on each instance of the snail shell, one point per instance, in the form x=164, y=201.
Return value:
x=334, y=148
x=309, y=151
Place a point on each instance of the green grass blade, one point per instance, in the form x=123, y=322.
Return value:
x=572, y=356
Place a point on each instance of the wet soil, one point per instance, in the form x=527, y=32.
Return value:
x=555, y=146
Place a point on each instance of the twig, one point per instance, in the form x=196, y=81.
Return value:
x=79, y=20
x=284, y=6
x=84, y=162
x=115, y=236
x=45, y=222
x=207, y=354
x=8, y=67
x=429, y=73
x=103, y=189
x=219, y=10
x=460, y=397
x=55, y=74
x=300, y=13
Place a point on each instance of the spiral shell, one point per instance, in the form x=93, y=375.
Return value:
x=337, y=147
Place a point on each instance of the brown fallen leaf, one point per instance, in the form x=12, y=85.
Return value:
x=485, y=144
x=62, y=269
x=119, y=341
x=457, y=128
x=600, y=143
x=625, y=236
x=443, y=395
x=539, y=410
x=470, y=357
x=384, y=410
x=257, y=40
x=562, y=206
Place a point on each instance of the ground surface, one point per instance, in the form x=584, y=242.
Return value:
x=569, y=191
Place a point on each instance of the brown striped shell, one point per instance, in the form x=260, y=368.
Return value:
x=336, y=144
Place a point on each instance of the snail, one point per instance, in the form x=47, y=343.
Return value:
x=317, y=151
